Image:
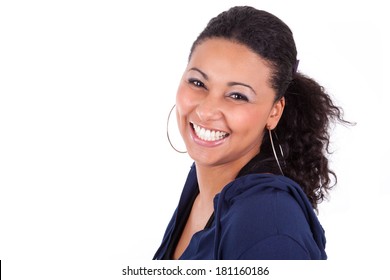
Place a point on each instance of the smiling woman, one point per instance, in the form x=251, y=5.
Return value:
x=225, y=91
x=239, y=96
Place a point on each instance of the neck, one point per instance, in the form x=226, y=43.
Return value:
x=211, y=180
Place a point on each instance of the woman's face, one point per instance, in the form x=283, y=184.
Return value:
x=224, y=102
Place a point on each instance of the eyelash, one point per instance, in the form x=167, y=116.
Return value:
x=238, y=96
x=234, y=95
x=196, y=83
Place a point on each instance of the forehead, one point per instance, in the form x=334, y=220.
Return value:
x=227, y=59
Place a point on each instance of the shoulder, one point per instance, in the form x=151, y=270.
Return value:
x=263, y=216
x=265, y=195
x=267, y=208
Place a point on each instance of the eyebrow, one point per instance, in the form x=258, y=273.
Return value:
x=206, y=77
x=241, y=84
x=201, y=72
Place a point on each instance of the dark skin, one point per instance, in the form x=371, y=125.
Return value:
x=224, y=104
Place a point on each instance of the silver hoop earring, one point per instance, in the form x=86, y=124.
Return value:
x=169, y=139
x=273, y=149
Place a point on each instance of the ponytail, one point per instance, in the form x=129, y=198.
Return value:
x=303, y=132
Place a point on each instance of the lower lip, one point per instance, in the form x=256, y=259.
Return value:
x=204, y=143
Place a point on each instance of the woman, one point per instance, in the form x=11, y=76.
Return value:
x=257, y=131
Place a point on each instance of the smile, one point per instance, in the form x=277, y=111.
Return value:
x=207, y=134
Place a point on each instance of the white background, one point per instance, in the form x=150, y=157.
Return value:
x=86, y=172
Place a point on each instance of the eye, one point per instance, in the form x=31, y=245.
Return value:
x=238, y=96
x=196, y=83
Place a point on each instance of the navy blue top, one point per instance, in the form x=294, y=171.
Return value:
x=256, y=216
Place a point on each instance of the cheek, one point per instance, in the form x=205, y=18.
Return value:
x=184, y=105
x=185, y=102
x=250, y=121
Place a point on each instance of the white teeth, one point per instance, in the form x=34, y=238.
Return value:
x=209, y=135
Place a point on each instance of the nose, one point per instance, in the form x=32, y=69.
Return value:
x=209, y=109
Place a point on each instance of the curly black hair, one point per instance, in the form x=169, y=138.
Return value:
x=303, y=130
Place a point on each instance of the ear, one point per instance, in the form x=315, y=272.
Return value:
x=276, y=113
